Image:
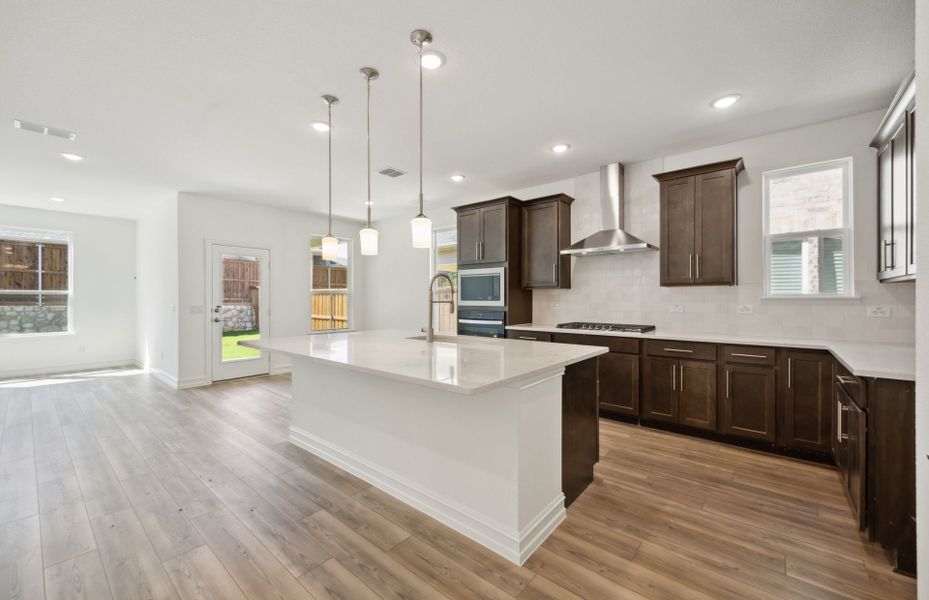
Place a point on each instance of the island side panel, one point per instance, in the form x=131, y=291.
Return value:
x=581, y=428
x=487, y=465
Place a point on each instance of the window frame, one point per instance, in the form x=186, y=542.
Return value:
x=846, y=232
x=349, y=286
x=39, y=236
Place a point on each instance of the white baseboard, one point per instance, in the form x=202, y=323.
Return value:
x=281, y=369
x=68, y=368
x=193, y=382
x=515, y=546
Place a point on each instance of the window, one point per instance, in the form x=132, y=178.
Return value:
x=808, y=230
x=445, y=260
x=35, y=282
x=331, y=293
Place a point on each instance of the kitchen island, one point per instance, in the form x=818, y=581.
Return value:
x=488, y=436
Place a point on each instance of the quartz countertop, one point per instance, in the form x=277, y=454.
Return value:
x=864, y=359
x=464, y=364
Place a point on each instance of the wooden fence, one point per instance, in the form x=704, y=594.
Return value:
x=445, y=316
x=329, y=310
x=240, y=281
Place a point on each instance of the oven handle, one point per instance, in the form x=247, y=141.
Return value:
x=479, y=322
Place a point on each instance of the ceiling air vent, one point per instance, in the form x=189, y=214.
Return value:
x=392, y=172
x=44, y=130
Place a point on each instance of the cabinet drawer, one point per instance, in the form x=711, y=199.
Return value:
x=688, y=350
x=752, y=355
x=853, y=386
x=615, y=344
x=537, y=336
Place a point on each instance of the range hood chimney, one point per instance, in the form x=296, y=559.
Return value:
x=612, y=239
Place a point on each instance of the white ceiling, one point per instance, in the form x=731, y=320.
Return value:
x=215, y=96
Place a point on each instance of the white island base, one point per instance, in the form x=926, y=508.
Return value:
x=487, y=465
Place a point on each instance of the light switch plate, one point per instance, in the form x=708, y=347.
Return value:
x=881, y=311
x=745, y=309
x=676, y=308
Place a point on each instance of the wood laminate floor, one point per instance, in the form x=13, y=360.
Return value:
x=114, y=486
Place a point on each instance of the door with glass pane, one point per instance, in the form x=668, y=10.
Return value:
x=239, y=310
x=445, y=260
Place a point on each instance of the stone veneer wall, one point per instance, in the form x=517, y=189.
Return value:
x=239, y=317
x=33, y=319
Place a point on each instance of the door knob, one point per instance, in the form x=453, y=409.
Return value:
x=217, y=320
x=217, y=308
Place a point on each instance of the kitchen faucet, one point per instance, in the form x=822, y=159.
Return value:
x=430, y=331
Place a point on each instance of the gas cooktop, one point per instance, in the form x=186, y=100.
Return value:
x=607, y=327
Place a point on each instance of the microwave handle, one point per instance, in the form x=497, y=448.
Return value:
x=479, y=322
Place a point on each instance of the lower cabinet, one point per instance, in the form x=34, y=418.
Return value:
x=747, y=406
x=805, y=404
x=680, y=391
x=619, y=383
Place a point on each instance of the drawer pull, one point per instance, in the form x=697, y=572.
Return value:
x=479, y=322
x=749, y=355
x=678, y=350
x=528, y=337
x=847, y=380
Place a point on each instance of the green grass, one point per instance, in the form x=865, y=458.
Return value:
x=231, y=349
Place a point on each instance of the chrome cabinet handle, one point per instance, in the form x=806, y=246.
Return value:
x=698, y=265
x=554, y=273
x=727, y=383
x=681, y=389
x=477, y=250
x=886, y=262
x=527, y=337
x=673, y=378
x=847, y=380
x=749, y=355
x=690, y=266
x=893, y=254
x=678, y=350
x=838, y=420
x=788, y=372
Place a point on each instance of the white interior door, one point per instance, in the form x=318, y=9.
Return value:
x=239, y=310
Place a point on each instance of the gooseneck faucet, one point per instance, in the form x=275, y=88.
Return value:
x=430, y=331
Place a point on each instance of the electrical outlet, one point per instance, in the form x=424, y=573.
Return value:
x=881, y=311
x=745, y=309
x=676, y=308
x=555, y=306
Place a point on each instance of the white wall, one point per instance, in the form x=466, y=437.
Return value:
x=104, y=300
x=625, y=288
x=922, y=304
x=157, y=268
x=287, y=234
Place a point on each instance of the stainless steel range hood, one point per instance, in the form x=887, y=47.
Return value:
x=613, y=239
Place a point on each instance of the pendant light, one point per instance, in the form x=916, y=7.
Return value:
x=330, y=243
x=421, y=225
x=368, y=235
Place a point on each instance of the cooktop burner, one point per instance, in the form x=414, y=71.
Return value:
x=607, y=327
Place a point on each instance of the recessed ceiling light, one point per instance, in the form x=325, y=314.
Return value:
x=56, y=199
x=433, y=59
x=560, y=148
x=71, y=156
x=457, y=178
x=726, y=101
x=320, y=126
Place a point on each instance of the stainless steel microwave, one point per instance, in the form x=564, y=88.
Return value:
x=482, y=287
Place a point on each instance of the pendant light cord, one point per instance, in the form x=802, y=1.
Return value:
x=330, y=168
x=368, y=129
x=421, y=208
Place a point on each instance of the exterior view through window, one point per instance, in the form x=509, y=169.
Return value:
x=807, y=230
x=330, y=297
x=35, y=282
x=241, y=305
x=445, y=260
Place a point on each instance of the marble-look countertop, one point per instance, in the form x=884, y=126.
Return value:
x=864, y=359
x=467, y=365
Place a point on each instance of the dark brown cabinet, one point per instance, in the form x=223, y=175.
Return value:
x=747, y=403
x=806, y=401
x=619, y=383
x=680, y=391
x=698, y=224
x=483, y=232
x=895, y=142
x=546, y=232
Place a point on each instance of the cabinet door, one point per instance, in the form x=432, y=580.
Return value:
x=854, y=435
x=619, y=383
x=493, y=233
x=805, y=401
x=541, y=255
x=885, y=218
x=469, y=237
x=659, y=401
x=898, y=250
x=677, y=231
x=747, y=406
x=696, y=405
x=714, y=256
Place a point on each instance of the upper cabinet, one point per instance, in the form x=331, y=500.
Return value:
x=546, y=232
x=896, y=194
x=488, y=231
x=698, y=224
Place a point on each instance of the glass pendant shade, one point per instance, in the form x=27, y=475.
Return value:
x=368, y=237
x=422, y=231
x=330, y=248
